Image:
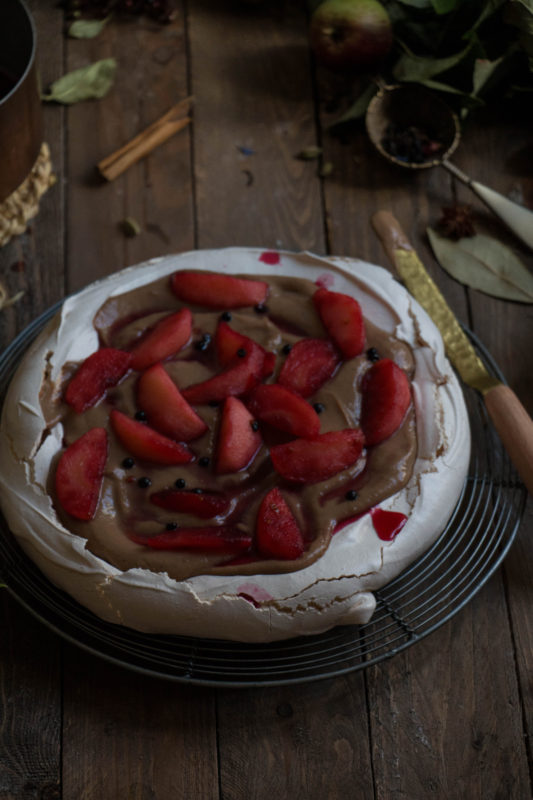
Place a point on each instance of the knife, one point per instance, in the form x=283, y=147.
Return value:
x=508, y=415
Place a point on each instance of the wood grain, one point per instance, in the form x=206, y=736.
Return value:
x=254, y=91
x=30, y=706
x=507, y=330
x=309, y=741
x=446, y=714
x=30, y=656
x=134, y=737
x=156, y=192
x=450, y=717
x=127, y=736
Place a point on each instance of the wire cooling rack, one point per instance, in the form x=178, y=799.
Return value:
x=410, y=607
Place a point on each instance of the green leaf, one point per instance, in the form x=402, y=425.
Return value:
x=483, y=70
x=519, y=14
x=445, y=6
x=490, y=8
x=527, y=4
x=358, y=108
x=87, y=28
x=92, y=81
x=415, y=68
x=417, y=3
x=485, y=264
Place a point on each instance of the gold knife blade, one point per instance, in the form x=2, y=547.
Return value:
x=511, y=420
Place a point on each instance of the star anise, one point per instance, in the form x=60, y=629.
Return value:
x=457, y=222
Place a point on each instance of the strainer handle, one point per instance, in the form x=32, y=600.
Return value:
x=518, y=218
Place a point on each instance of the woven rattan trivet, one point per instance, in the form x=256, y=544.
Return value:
x=23, y=203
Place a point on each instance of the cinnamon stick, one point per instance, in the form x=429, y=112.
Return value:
x=141, y=145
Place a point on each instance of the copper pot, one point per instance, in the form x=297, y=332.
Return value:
x=21, y=131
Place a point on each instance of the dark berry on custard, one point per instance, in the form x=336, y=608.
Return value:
x=204, y=342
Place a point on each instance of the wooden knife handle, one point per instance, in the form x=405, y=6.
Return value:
x=515, y=429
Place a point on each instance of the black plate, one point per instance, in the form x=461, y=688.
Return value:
x=413, y=605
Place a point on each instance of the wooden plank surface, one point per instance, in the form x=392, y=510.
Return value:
x=450, y=717
x=126, y=735
x=30, y=655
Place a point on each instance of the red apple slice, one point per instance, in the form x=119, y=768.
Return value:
x=386, y=398
x=238, y=442
x=311, y=461
x=166, y=408
x=146, y=443
x=218, y=291
x=99, y=372
x=285, y=410
x=278, y=535
x=165, y=339
x=80, y=472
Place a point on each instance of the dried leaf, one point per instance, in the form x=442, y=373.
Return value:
x=6, y=300
x=87, y=28
x=310, y=153
x=92, y=81
x=485, y=264
x=130, y=227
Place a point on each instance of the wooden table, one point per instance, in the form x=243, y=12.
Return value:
x=450, y=717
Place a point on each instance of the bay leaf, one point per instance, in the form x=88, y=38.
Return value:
x=417, y=68
x=87, y=28
x=358, y=108
x=416, y=3
x=90, y=82
x=490, y=7
x=483, y=70
x=484, y=263
x=444, y=6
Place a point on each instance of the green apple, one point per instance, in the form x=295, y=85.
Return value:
x=350, y=34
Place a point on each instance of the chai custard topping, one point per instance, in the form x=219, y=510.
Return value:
x=246, y=460
x=203, y=499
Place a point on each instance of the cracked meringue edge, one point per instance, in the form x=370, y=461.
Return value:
x=335, y=590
